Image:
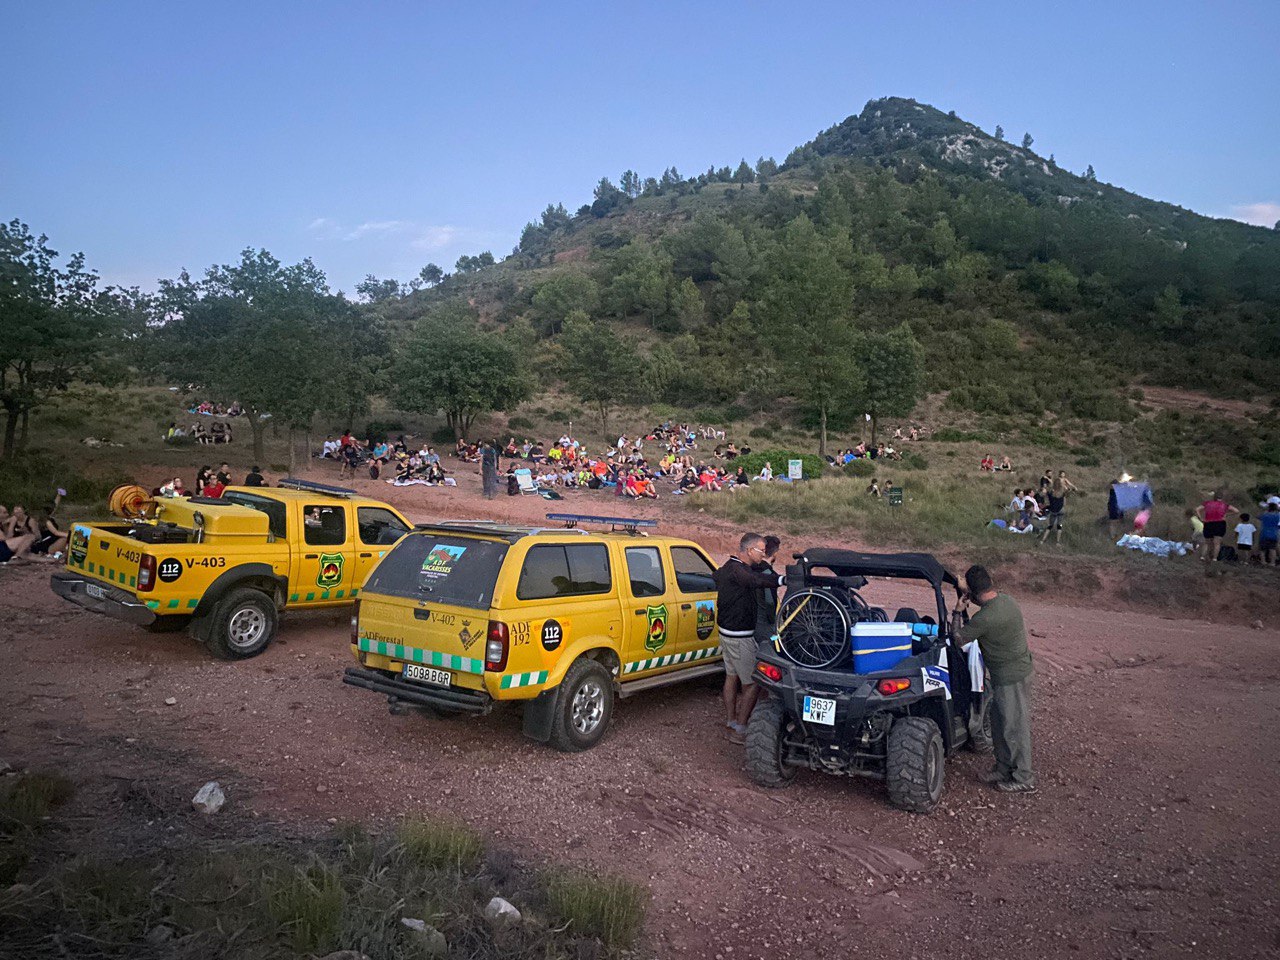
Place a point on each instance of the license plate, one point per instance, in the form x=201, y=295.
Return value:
x=415, y=671
x=95, y=591
x=820, y=710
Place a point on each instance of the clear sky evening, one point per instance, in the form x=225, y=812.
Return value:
x=376, y=137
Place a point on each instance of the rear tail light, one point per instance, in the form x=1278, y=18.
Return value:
x=769, y=671
x=147, y=572
x=888, y=688
x=355, y=623
x=497, y=643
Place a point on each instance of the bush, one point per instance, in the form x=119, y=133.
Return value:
x=381, y=429
x=32, y=479
x=761, y=433
x=914, y=461
x=441, y=845
x=1088, y=460
x=736, y=412
x=861, y=467
x=754, y=461
x=519, y=423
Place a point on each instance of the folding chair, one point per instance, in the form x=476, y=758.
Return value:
x=524, y=477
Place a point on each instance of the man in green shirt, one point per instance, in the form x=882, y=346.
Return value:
x=998, y=629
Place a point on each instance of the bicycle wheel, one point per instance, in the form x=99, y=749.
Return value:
x=815, y=628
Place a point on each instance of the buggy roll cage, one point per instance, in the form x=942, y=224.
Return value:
x=853, y=567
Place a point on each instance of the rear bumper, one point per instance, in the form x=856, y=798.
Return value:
x=397, y=691
x=113, y=602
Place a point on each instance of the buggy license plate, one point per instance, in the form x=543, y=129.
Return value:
x=95, y=591
x=820, y=710
x=421, y=674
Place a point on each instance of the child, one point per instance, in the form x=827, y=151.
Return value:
x=1244, y=538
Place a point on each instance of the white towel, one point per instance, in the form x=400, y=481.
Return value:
x=975, y=665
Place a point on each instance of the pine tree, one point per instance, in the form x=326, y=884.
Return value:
x=999, y=132
x=1027, y=141
x=1090, y=175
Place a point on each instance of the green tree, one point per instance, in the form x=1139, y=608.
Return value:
x=447, y=363
x=431, y=275
x=631, y=183
x=999, y=132
x=562, y=293
x=601, y=367
x=1027, y=141
x=804, y=313
x=766, y=167
x=744, y=173
x=376, y=291
x=892, y=374
x=1168, y=310
x=641, y=276
x=59, y=328
x=607, y=198
x=1089, y=174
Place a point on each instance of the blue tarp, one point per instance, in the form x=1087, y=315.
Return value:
x=1133, y=495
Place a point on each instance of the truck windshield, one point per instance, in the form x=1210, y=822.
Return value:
x=440, y=568
x=274, y=510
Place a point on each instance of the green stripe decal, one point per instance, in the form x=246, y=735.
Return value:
x=153, y=604
x=293, y=598
x=192, y=604
x=340, y=593
x=511, y=680
x=671, y=659
x=311, y=596
x=133, y=581
x=417, y=655
x=173, y=604
x=355, y=593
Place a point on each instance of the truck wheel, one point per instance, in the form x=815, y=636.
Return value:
x=584, y=706
x=915, y=765
x=765, y=746
x=241, y=625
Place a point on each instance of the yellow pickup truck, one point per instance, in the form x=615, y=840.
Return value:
x=226, y=567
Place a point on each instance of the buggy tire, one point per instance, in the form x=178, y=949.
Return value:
x=915, y=764
x=980, y=736
x=241, y=625
x=584, y=707
x=765, y=746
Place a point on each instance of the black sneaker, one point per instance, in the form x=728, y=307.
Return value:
x=992, y=776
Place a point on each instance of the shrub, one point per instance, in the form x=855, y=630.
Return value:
x=754, y=461
x=1088, y=460
x=736, y=412
x=381, y=429
x=443, y=436
x=761, y=433
x=861, y=467
x=309, y=902
x=609, y=908
x=519, y=423
x=440, y=844
x=914, y=461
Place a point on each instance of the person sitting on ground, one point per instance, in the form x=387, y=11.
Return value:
x=766, y=472
x=707, y=480
x=730, y=451
x=15, y=545
x=329, y=449
x=50, y=539
x=988, y=463
x=215, y=488
x=873, y=489
x=740, y=478
x=915, y=432
x=889, y=453
x=1005, y=463
x=224, y=474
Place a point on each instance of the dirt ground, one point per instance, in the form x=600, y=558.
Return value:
x=1151, y=834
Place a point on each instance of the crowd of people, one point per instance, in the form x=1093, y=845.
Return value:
x=32, y=539
x=216, y=432
x=1039, y=510
x=209, y=408
x=1256, y=538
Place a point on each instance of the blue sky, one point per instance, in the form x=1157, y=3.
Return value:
x=376, y=137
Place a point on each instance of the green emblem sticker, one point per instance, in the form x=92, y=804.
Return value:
x=330, y=574
x=657, y=638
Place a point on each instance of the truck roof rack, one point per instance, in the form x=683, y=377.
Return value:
x=310, y=486
x=630, y=525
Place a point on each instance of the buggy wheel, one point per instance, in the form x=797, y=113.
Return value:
x=915, y=765
x=980, y=740
x=765, y=745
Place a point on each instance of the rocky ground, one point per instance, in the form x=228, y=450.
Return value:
x=1151, y=833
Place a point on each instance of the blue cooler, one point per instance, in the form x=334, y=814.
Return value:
x=879, y=646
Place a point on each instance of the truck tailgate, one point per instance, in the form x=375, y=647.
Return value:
x=446, y=642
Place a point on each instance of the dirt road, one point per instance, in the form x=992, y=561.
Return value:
x=1152, y=832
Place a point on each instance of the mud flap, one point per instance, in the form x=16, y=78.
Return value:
x=540, y=715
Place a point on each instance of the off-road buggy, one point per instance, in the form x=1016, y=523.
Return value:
x=854, y=691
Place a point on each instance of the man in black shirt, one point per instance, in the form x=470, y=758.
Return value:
x=255, y=478
x=738, y=588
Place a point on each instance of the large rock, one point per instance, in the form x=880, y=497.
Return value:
x=433, y=941
x=209, y=798
x=499, y=911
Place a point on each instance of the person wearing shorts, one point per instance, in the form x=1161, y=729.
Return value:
x=1058, y=491
x=1213, y=514
x=738, y=589
x=1270, y=523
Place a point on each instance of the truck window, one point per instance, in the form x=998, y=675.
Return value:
x=379, y=527
x=440, y=568
x=565, y=571
x=693, y=572
x=644, y=566
x=274, y=509
x=323, y=525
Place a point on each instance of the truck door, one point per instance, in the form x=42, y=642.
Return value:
x=377, y=530
x=696, y=598
x=326, y=570
x=651, y=622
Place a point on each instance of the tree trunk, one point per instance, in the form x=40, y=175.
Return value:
x=822, y=439
x=293, y=453
x=307, y=438
x=875, y=422
x=604, y=418
x=22, y=432
x=10, y=431
x=258, y=428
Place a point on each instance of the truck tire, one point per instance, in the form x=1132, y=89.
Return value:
x=241, y=625
x=765, y=746
x=915, y=764
x=584, y=706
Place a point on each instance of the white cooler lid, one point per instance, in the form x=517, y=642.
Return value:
x=882, y=629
